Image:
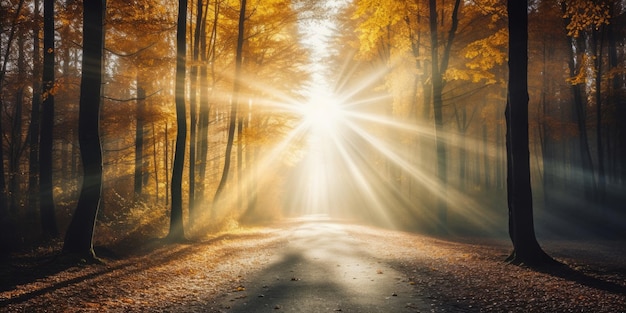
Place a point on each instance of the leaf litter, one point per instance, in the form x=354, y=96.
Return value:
x=467, y=275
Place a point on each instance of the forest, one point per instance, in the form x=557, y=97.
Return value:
x=409, y=138
x=126, y=121
x=333, y=112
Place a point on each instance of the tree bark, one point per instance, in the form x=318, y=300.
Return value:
x=176, y=232
x=79, y=236
x=437, y=90
x=48, y=217
x=526, y=249
x=234, y=105
x=139, y=139
x=33, y=127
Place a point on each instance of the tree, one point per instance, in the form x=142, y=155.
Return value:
x=235, y=102
x=33, y=128
x=176, y=232
x=79, y=236
x=48, y=218
x=526, y=249
x=437, y=81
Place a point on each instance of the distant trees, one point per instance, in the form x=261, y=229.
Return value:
x=388, y=52
x=139, y=58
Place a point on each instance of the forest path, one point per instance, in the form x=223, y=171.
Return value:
x=319, y=265
x=323, y=268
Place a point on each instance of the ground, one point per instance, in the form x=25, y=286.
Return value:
x=321, y=265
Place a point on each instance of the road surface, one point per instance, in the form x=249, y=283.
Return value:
x=322, y=268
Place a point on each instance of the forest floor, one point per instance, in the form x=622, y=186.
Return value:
x=320, y=265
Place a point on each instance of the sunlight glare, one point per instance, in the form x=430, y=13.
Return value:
x=322, y=115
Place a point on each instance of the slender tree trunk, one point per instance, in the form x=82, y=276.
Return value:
x=437, y=90
x=526, y=249
x=240, y=139
x=487, y=182
x=33, y=127
x=139, y=139
x=234, y=107
x=576, y=46
x=48, y=216
x=166, y=161
x=617, y=99
x=205, y=109
x=193, y=108
x=176, y=232
x=156, y=164
x=15, y=146
x=79, y=236
x=597, y=51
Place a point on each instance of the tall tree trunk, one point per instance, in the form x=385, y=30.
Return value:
x=597, y=45
x=79, y=236
x=576, y=46
x=193, y=108
x=207, y=56
x=616, y=97
x=176, y=232
x=437, y=90
x=33, y=127
x=15, y=146
x=526, y=249
x=234, y=105
x=48, y=217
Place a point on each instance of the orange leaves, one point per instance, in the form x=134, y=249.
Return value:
x=584, y=14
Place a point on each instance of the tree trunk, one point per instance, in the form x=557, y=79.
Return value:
x=204, y=115
x=437, y=90
x=576, y=46
x=597, y=52
x=176, y=232
x=234, y=105
x=616, y=97
x=139, y=139
x=15, y=145
x=48, y=217
x=156, y=164
x=526, y=249
x=33, y=127
x=79, y=236
x=487, y=182
x=193, y=108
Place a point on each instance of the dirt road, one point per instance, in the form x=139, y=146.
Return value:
x=320, y=265
x=323, y=268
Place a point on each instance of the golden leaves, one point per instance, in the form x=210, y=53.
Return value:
x=584, y=14
x=482, y=55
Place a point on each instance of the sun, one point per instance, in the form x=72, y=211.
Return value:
x=322, y=115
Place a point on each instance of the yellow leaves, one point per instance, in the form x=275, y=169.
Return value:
x=377, y=19
x=482, y=56
x=581, y=76
x=488, y=52
x=585, y=14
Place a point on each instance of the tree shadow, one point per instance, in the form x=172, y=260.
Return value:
x=564, y=271
x=26, y=270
